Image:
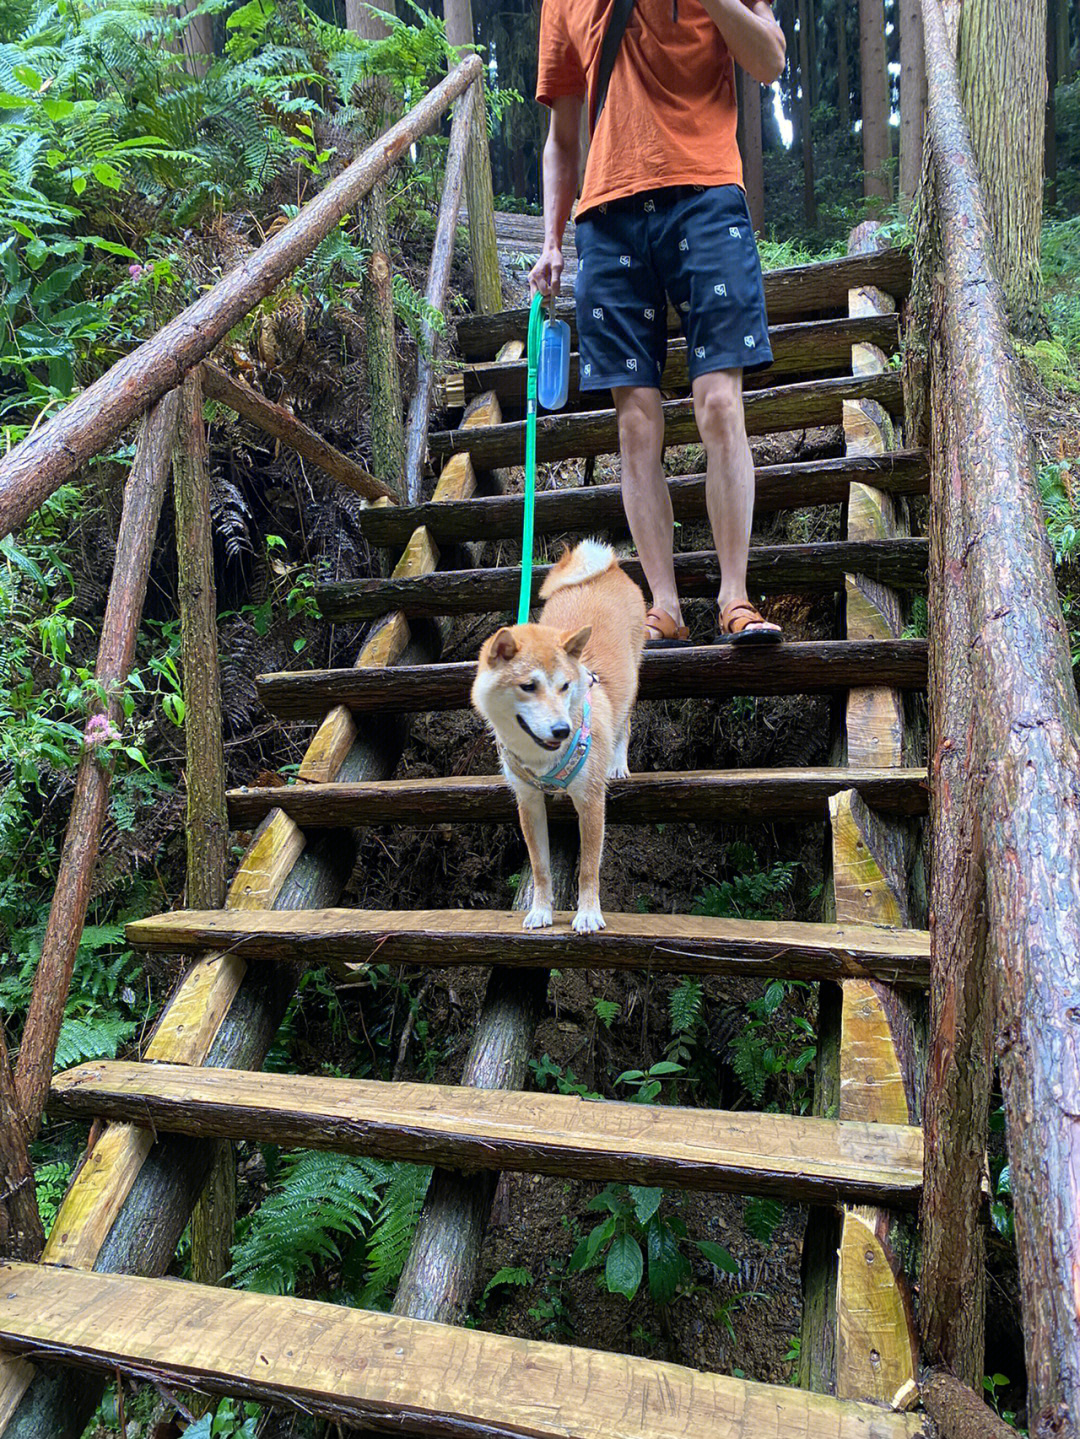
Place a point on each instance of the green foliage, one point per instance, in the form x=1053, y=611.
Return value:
x=231, y=1419
x=751, y=893
x=606, y=1011
x=505, y=1278
x=1057, y=484
x=546, y=1073
x=763, y=1217
x=775, y=1047
x=647, y=1083
x=995, y=1386
x=636, y=1238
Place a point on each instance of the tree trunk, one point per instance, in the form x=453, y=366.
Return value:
x=812, y=45
x=751, y=148
x=912, y=99
x=843, y=75
x=131, y=567
x=1002, y=64
x=213, y=1219
x=877, y=147
x=21, y=1234
x=1055, y=9
x=387, y=427
x=1062, y=45
x=805, y=103
x=483, y=247
x=197, y=40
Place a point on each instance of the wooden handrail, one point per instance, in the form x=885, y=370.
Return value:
x=1027, y=755
x=51, y=455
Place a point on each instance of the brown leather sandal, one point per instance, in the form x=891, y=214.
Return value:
x=662, y=633
x=742, y=624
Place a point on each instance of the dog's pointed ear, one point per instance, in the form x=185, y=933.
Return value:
x=574, y=641
x=503, y=646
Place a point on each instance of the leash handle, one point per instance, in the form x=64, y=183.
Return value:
x=536, y=325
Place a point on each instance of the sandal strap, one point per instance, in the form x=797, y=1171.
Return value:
x=665, y=626
x=739, y=615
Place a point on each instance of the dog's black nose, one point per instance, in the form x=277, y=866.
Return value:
x=560, y=731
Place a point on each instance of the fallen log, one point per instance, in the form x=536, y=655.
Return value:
x=276, y=420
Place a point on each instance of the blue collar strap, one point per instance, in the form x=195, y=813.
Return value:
x=565, y=770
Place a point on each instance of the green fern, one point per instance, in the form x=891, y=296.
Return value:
x=684, y=1006
x=763, y=1217
x=414, y=310
x=391, y=1235
x=323, y=1199
x=99, y=1037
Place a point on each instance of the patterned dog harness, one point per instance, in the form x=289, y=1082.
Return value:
x=565, y=770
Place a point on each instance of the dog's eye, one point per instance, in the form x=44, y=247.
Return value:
x=564, y=688
x=528, y=686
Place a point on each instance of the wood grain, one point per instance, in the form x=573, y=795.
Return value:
x=466, y=1128
x=675, y=797
x=401, y=1374
x=461, y=936
x=711, y=671
x=596, y=507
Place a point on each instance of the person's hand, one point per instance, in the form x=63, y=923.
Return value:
x=546, y=274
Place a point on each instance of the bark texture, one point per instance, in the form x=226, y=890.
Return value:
x=805, y=106
x=958, y=1411
x=1002, y=65
x=206, y=827
x=21, y=1234
x=952, y=1279
x=55, y=452
x=877, y=145
x=131, y=567
x=483, y=245
x=1027, y=726
x=751, y=146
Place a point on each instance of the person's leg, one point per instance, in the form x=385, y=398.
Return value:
x=645, y=495
x=729, y=475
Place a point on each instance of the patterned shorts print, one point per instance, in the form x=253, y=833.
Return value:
x=692, y=246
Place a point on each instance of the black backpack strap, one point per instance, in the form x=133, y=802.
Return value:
x=621, y=11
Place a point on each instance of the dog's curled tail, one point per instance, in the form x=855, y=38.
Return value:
x=584, y=562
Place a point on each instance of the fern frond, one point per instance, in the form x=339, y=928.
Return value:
x=388, y=1244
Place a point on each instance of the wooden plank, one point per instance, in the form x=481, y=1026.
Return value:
x=773, y=569
x=593, y=432
x=600, y=507
x=801, y=349
x=466, y=1128
x=679, y=943
x=360, y=1367
x=676, y=797
x=790, y=294
x=709, y=671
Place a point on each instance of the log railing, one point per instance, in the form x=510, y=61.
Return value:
x=1007, y=738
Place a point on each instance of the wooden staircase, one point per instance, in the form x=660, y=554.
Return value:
x=858, y=1159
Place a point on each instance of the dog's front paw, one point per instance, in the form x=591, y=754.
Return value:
x=588, y=921
x=537, y=918
x=618, y=770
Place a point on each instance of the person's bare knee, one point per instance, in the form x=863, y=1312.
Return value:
x=641, y=423
x=718, y=410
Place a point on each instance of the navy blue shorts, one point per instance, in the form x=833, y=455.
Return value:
x=692, y=246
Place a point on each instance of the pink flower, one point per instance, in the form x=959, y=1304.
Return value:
x=100, y=730
x=135, y=271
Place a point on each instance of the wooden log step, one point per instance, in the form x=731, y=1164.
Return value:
x=359, y=1367
x=460, y=1127
x=716, y=796
x=773, y=569
x=593, y=432
x=707, y=671
x=600, y=507
x=790, y=294
x=665, y=943
x=812, y=348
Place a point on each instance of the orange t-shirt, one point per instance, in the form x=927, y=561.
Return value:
x=670, y=113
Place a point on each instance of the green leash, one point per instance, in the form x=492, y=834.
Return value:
x=536, y=325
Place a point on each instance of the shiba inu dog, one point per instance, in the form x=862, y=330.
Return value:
x=558, y=695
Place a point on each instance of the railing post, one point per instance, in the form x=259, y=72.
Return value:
x=207, y=828
x=67, y=913
x=483, y=247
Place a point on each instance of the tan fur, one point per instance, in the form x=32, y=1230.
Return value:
x=596, y=625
